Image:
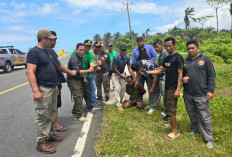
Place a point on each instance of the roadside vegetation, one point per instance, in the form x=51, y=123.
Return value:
x=134, y=133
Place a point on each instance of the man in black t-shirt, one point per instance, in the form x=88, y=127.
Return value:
x=173, y=66
x=41, y=72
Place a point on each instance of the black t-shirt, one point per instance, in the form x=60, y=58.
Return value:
x=172, y=63
x=75, y=63
x=142, y=55
x=45, y=72
x=60, y=75
x=105, y=65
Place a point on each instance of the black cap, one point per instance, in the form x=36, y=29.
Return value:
x=97, y=44
x=88, y=42
x=140, y=39
x=123, y=47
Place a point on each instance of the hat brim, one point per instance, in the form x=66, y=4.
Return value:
x=52, y=37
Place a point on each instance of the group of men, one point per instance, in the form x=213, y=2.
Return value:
x=87, y=71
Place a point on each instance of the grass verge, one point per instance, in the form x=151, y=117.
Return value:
x=134, y=133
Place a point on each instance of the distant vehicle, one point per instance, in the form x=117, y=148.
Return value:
x=10, y=57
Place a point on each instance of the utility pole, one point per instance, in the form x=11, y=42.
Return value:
x=127, y=7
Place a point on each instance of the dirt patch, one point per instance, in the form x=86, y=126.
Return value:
x=224, y=92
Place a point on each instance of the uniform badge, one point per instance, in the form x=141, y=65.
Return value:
x=86, y=59
x=185, y=65
x=201, y=62
x=167, y=64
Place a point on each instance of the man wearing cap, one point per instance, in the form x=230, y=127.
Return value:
x=120, y=60
x=102, y=73
x=112, y=53
x=145, y=53
x=89, y=92
x=41, y=73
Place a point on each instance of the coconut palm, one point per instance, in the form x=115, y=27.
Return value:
x=107, y=38
x=188, y=14
x=116, y=37
x=97, y=37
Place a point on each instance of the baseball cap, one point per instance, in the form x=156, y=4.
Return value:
x=97, y=44
x=88, y=42
x=46, y=34
x=110, y=44
x=123, y=47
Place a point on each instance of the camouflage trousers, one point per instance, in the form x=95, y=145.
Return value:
x=103, y=79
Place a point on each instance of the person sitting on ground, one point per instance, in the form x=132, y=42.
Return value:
x=135, y=94
x=140, y=67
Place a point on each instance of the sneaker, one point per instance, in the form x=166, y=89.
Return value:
x=166, y=118
x=97, y=107
x=92, y=111
x=120, y=108
x=209, y=145
x=163, y=114
x=147, y=107
x=107, y=99
x=191, y=134
x=150, y=111
x=82, y=119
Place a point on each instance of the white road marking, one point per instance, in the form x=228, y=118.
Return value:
x=80, y=145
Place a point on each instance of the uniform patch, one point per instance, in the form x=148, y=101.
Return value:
x=167, y=64
x=86, y=59
x=201, y=62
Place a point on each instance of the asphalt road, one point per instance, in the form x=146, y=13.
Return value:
x=17, y=120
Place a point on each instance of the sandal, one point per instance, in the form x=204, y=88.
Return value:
x=63, y=128
x=167, y=126
x=172, y=136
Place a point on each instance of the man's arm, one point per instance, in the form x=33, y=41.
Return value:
x=210, y=78
x=66, y=70
x=31, y=68
x=118, y=73
x=179, y=81
x=134, y=57
x=153, y=54
x=131, y=72
x=143, y=91
x=157, y=71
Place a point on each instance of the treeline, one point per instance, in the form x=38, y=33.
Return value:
x=218, y=47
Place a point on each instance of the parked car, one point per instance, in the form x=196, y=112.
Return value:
x=10, y=57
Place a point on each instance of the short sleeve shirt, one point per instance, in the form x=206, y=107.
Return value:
x=149, y=65
x=172, y=63
x=112, y=54
x=60, y=75
x=121, y=62
x=46, y=71
x=87, y=59
x=160, y=61
x=75, y=63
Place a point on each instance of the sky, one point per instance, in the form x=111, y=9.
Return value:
x=77, y=20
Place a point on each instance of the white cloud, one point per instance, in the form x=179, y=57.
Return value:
x=165, y=28
x=150, y=8
x=15, y=37
x=18, y=5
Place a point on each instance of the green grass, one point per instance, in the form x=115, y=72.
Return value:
x=134, y=133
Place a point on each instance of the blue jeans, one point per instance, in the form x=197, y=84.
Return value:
x=154, y=97
x=92, y=88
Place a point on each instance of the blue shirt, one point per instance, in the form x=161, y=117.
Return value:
x=121, y=62
x=151, y=53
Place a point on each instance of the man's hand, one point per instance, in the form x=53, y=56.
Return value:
x=73, y=72
x=102, y=59
x=209, y=95
x=185, y=79
x=57, y=91
x=98, y=68
x=136, y=83
x=37, y=96
x=177, y=93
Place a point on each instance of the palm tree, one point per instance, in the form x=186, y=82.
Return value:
x=106, y=38
x=97, y=37
x=147, y=31
x=188, y=13
x=116, y=37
